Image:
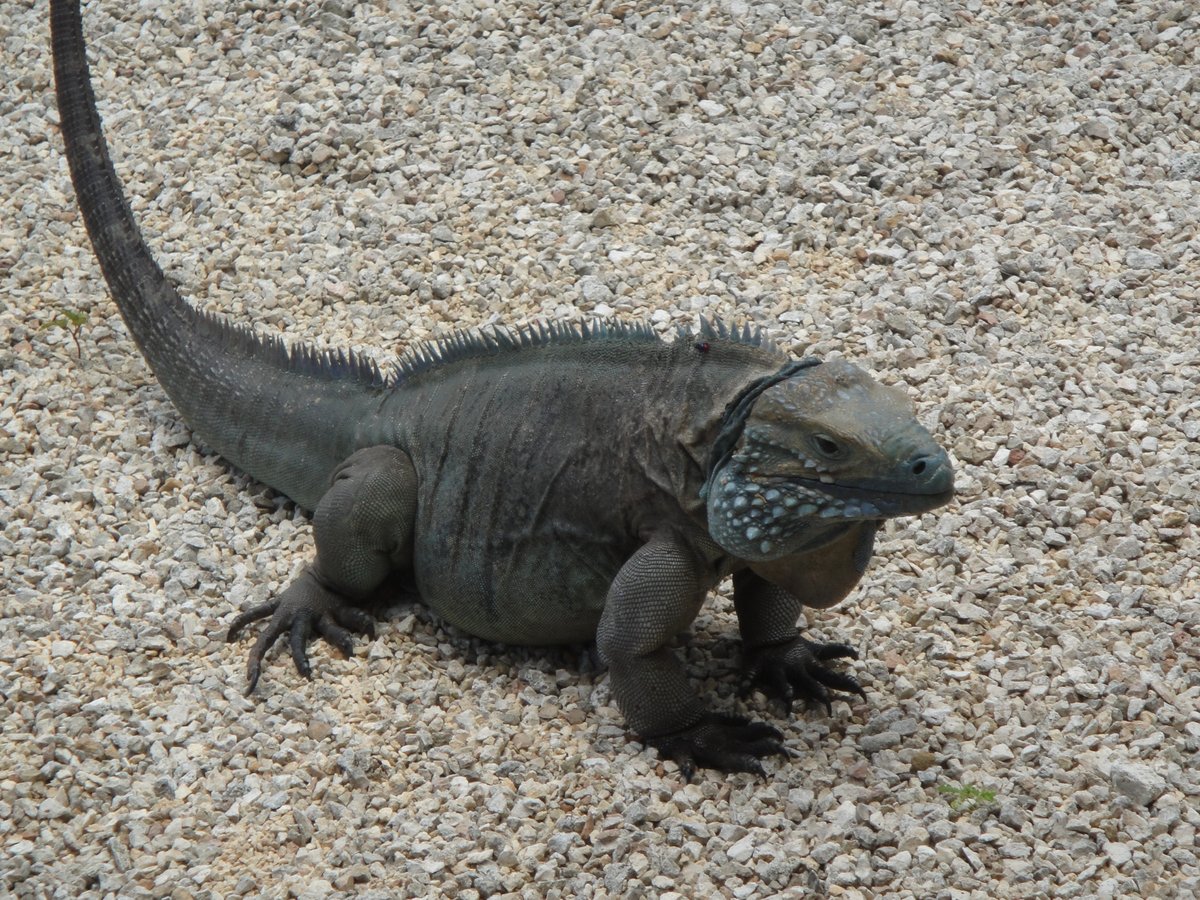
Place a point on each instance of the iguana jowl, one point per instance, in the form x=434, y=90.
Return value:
x=541, y=485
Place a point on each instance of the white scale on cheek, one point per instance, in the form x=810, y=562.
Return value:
x=759, y=517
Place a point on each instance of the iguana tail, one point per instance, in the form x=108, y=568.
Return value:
x=286, y=416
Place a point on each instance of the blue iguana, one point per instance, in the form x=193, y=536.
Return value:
x=544, y=484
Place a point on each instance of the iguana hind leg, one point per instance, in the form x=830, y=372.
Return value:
x=363, y=528
x=656, y=595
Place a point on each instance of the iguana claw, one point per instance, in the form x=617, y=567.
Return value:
x=794, y=669
x=304, y=607
x=719, y=741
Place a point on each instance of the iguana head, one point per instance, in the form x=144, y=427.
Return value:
x=821, y=445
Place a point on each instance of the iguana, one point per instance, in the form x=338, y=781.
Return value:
x=544, y=484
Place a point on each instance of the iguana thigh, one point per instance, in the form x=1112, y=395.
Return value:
x=363, y=528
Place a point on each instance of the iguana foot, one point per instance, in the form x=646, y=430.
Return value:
x=306, y=605
x=793, y=669
x=718, y=741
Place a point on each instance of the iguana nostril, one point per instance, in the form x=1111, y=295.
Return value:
x=925, y=465
x=932, y=470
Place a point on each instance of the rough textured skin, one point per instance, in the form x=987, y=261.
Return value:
x=544, y=485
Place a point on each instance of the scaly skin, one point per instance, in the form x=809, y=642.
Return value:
x=541, y=485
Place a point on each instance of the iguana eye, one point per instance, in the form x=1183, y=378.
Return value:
x=827, y=446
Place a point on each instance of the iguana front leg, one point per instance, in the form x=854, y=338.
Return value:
x=778, y=659
x=769, y=597
x=363, y=529
x=656, y=595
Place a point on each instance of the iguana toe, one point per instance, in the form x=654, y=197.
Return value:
x=335, y=634
x=298, y=636
x=724, y=742
x=354, y=619
x=304, y=608
x=838, y=681
x=250, y=615
x=794, y=670
x=831, y=651
x=276, y=627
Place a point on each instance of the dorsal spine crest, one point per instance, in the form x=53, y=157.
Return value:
x=491, y=340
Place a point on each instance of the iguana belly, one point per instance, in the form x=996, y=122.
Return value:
x=543, y=588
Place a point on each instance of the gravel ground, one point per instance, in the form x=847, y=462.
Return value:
x=992, y=204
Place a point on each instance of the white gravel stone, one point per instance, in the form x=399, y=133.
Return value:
x=1119, y=853
x=1138, y=782
x=1143, y=259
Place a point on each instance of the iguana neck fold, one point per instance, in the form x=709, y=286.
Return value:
x=734, y=420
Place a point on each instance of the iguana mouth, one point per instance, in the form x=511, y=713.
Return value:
x=885, y=502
